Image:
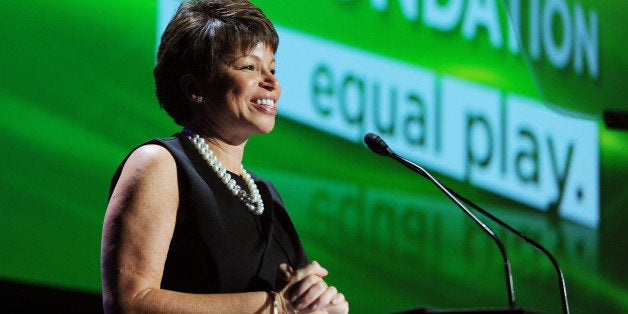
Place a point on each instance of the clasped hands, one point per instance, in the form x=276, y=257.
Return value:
x=305, y=291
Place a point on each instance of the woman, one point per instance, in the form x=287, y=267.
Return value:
x=187, y=229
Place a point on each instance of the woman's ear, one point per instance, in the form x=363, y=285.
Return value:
x=190, y=89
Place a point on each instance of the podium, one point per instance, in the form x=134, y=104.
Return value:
x=468, y=311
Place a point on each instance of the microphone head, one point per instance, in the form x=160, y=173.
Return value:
x=377, y=144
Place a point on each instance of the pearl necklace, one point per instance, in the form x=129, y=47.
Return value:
x=253, y=202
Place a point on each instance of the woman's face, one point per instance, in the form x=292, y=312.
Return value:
x=242, y=99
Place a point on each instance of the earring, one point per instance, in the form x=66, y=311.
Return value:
x=199, y=99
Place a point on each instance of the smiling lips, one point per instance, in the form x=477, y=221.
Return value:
x=266, y=105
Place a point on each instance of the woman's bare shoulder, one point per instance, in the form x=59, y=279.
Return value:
x=149, y=173
x=151, y=155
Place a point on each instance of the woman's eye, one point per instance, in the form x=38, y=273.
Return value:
x=248, y=67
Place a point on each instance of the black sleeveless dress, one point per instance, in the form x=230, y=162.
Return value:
x=218, y=246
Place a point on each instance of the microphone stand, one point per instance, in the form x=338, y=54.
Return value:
x=418, y=169
x=377, y=145
x=561, y=279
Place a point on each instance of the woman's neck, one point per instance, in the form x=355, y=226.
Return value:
x=227, y=145
x=230, y=155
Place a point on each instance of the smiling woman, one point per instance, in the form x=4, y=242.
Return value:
x=187, y=228
x=241, y=100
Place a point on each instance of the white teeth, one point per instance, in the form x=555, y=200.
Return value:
x=266, y=102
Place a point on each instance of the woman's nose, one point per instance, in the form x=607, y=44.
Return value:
x=269, y=80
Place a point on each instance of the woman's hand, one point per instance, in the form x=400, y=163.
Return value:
x=306, y=291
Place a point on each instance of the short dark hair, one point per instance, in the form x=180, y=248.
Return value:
x=201, y=34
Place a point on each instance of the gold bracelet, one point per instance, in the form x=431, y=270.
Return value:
x=275, y=305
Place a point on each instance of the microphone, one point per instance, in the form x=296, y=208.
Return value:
x=377, y=145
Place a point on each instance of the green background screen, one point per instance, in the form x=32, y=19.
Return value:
x=77, y=94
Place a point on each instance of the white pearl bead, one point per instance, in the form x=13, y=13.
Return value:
x=252, y=202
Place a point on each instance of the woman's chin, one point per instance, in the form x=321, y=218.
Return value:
x=266, y=126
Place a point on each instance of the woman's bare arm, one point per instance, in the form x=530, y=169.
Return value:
x=137, y=231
